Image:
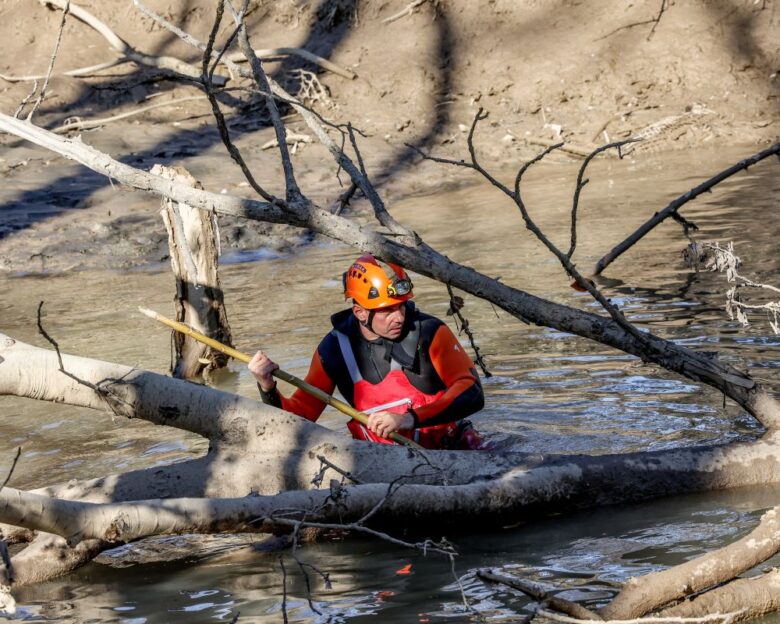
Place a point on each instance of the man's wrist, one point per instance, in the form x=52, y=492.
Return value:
x=415, y=419
x=271, y=397
x=270, y=389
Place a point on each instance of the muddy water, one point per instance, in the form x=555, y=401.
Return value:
x=550, y=392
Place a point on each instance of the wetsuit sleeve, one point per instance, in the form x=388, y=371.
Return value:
x=464, y=394
x=301, y=403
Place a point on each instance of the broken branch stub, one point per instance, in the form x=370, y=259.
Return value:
x=193, y=244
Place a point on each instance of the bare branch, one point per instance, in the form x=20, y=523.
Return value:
x=675, y=205
x=74, y=73
x=88, y=124
x=293, y=193
x=539, y=594
x=208, y=86
x=284, y=589
x=315, y=122
x=5, y=556
x=582, y=281
x=456, y=304
x=304, y=54
x=42, y=94
x=343, y=200
x=407, y=10
x=174, y=65
x=654, y=21
x=581, y=182
x=27, y=98
x=12, y=468
x=474, y=164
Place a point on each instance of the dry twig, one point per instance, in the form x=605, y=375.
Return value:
x=407, y=10
x=42, y=94
x=304, y=54
x=654, y=21
x=72, y=124
x=582, y=181
x=456, y=305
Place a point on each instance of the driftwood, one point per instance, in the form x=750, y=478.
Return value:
x=128, y=52
x=72, y=125
x=300, y=52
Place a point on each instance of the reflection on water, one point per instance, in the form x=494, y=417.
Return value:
x=551, y=392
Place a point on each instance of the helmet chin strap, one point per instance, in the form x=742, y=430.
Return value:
x=369, y=321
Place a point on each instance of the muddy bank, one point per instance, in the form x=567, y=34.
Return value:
x=699, y=74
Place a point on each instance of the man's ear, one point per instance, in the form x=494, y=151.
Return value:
x=361, y=314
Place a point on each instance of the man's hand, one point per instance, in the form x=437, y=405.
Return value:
x=261, y=368
x=384, y=423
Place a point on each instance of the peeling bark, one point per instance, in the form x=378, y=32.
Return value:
x=193, y=243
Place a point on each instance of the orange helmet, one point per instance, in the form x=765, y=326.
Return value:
x=367, y=284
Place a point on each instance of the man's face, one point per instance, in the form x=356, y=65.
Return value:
x=387, y=322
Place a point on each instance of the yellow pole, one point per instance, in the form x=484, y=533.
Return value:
x=345, y=408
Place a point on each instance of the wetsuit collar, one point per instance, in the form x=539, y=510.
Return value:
x=403, y=350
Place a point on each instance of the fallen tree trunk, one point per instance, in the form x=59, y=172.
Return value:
x=647, y=593
x=414, y=254
x=266, y=459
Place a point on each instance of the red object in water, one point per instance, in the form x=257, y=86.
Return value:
x=407, y=569
x=579, y=288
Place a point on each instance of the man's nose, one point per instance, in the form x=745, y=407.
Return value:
x=397, y=315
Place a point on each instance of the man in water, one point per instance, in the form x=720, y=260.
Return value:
x=404, y=368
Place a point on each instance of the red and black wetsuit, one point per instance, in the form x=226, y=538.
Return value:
x=426, y=372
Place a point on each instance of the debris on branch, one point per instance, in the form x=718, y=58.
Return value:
x=712, y=257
